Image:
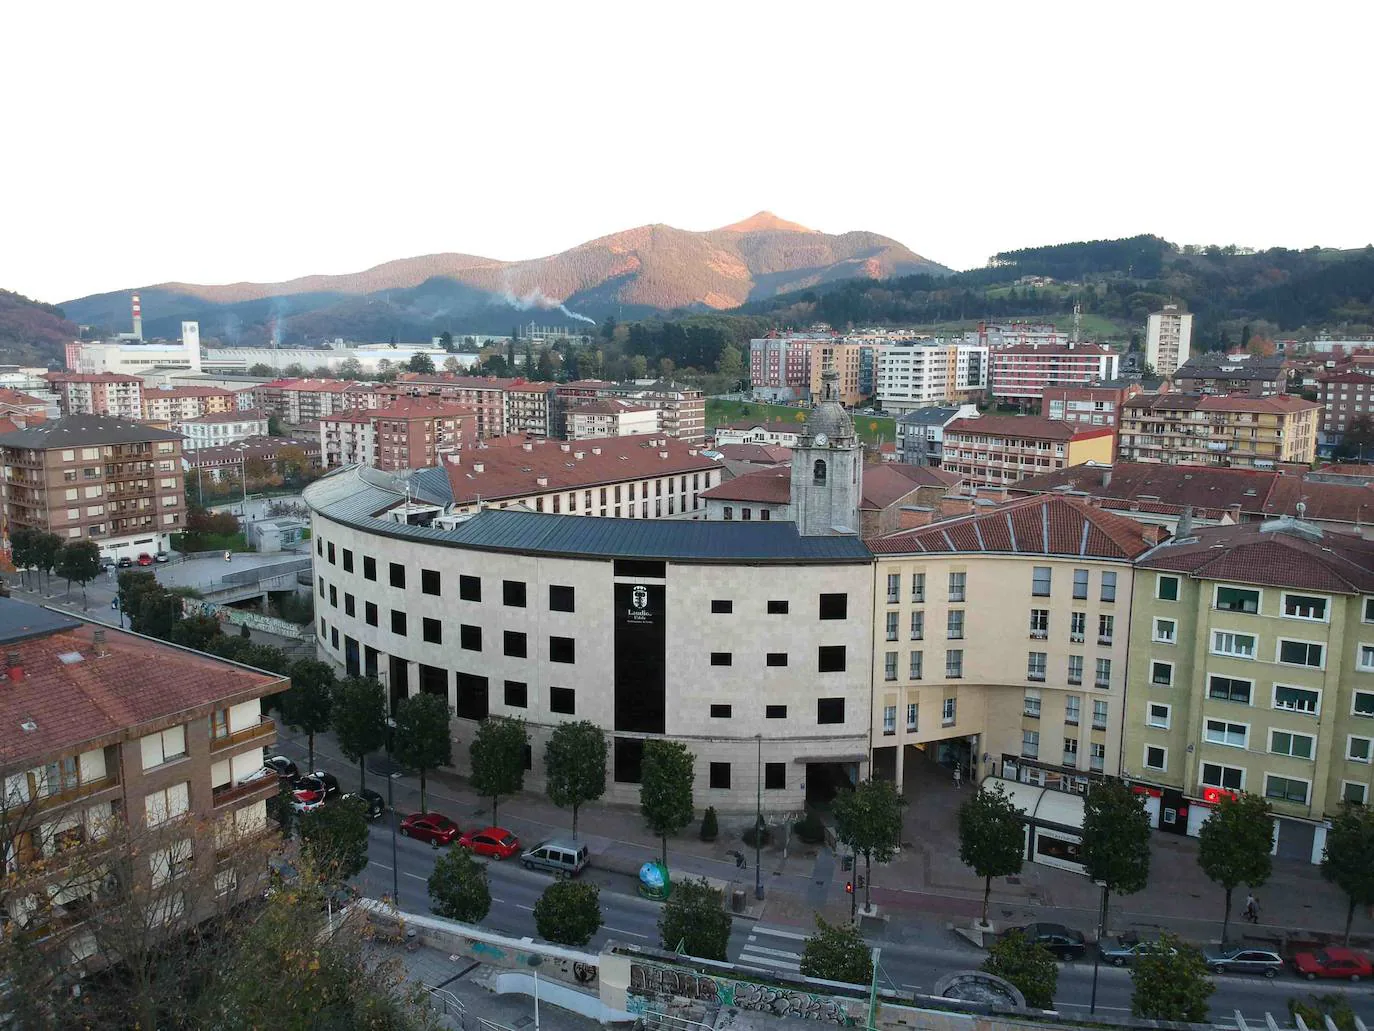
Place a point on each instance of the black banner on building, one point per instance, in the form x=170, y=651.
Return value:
x=640, y=639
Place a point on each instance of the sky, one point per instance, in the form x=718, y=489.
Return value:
x=213, y=143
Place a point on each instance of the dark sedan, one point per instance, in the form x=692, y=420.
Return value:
x=281, y=766
x=374, y=805
x=1060, y=941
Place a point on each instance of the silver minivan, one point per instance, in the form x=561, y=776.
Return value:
x=561, y=858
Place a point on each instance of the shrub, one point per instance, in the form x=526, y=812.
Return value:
x=764, y=836
x=810, y=829
x=710, y=827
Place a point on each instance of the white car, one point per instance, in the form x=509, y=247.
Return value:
x=298, y=806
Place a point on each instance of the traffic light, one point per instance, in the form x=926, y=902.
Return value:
x=849, y=887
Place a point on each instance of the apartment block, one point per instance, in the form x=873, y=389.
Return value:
x=1022, y=372
x=529, y=408
x=1096, y=405
x=921, y=433
x=847, y=359
x=1345, y=397
x=682, y=409
x=780, y=365
x=1000, y=449
x=111, y=740
x=1215, y=373
x=175, y=405
x=611, y=418
x=410, y=433
x=1234, y=430
x=296, y=401
x=95, y=477
x=1168, y=339
x=914, y=374
x=98, y=393
x=486, y=396
x=222, y=428
x=1252, y=669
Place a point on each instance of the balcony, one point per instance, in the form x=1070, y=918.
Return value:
x=97, y=790
x=262, y=787
x=265, y=728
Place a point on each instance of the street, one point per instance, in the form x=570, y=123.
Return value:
x=926, y=952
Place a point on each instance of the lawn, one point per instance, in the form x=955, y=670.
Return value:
x=871, y=429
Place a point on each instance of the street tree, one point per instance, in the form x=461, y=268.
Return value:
x=307, y=703
x=422, y=738
x=575, y=766
x=359, y=718
x=1027, y=965
x=47, y=552
x=1234, y=846
x=420, y=362
x=334, y=840
x=1171, y=983
x=837, y=952
x=992, y=838
x=79, y=561
x=458, y=887
x=869, y=820
x=195, y=632
x=497, y=753
x=22, y=552
x=1116, y=841
x=694, y=921
x=568, y=912
x=665, y=789
x=1348, y=860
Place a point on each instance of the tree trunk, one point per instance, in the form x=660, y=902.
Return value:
x=493, y=811
x=574, y=809
x=422, y=790
x=310, y=738
x=1105, y=907
x=664, y=839
x=987, y=891
x=1226, y=917
x=1349, y=918
x=868, y=880
x=362, y=774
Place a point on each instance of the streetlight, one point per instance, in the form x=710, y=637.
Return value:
x=533, y=962
x=758, y=822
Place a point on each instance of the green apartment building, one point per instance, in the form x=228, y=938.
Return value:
x=1251, y=668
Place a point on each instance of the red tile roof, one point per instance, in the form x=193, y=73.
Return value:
x=883, y=485
x=1346, y=376
x=1281, y=404
x=90, y=377
x=1045, y=525
x=769, y=454
x=1276, y=553
x=175, y=392
x=772, y=486
x=251, y=413
x=316, y=386
x=15, y=397
x=1031, y=427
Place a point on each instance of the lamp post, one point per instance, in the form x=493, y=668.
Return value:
x=534, y=962
x=758, y=822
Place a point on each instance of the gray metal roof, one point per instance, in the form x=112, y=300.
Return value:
x=78, y=430
x=348, y=497
x=927, y=416
x=20, y=620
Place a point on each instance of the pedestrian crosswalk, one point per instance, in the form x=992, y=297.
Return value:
x=773, y=947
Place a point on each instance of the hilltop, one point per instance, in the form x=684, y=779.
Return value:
x=31, y=331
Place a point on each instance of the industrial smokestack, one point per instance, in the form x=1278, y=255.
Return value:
x=138, y=319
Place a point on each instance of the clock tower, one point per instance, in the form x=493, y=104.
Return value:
x=827, y=467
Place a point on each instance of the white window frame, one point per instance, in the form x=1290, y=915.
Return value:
x=1359, y=657
x=1278, y=650
x=1155, y=635
x=1312, y=739
x=1204, y=763
x=1254, y=645
x=1206, y=729
x=1369, y=752
x=1150, y=707
x=1364, y=790
x=1178, y=587
x=1283, y=607
x=1274, y=699
x=1367, y=611
x=1307, y=800
x=1259, y=598
x=1354, y=697
x=1145, y=758
x=1161, y=662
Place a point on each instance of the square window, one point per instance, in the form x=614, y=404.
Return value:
x=561, y=598
x=562, y=649
x=777, y=659
x=517, y=694
x=1304, y=606
x=563, y=700
x=1215, y=775
x=1166, y=587
x=834, y=606
x=1285, y=742
x=1166, y=631
x=1229, y=689
x=370, y=613
x=1285, y=789
x=1156, y=758
x=722, y=659
x=830, y=658
x=829, y=710
x=347, y=560
x=470, y=637
x=1297, y=699
x=774, y=776
x=1220, y=732
x=722, y=605
x=398, y=622
x=721, y=712
x=432, y=631
x=1362, y=704
x=513, y=593
x=429, y=581
x=1353, y=791
x=514, y=644
x=720, y=776
x=1240, y=646
x=1157, y=715
x=1238, y=599
x=1162, y=674
x=775, y=712
x=777, y=608
x=369, y=568
x=470, y=588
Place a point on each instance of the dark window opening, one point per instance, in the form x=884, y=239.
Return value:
x=370, y=613
x=517, y=694
x=834, y=606
x=722, y=605
x=628, y=760
x=561, y=599
x=398, y=575
x=777, y=658
x=722, y=659
x=432, y=630
x=472, y=697
x=774, y=776
x=775, y=712
x=470, y=588
x=434, y=680
x=830, y=658
x=429, y=581
x=562, y=649
x=514, y=644
x=513, y=593
x=398, y=622
x=347, y=560
x=639, y=569
x=369, y=568
x=777, y=608
x=720, y=776
x=563, y=699
x=829, y=710
x=721, y=712
x=470, y=637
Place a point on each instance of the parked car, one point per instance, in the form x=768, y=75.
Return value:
x=162, y=556
x=1332, y=962
x=496, y=842
x=1242, y=959
x=125, y=562
x=145, y=559
x=561, y=858
x=435, y=828
x=318, y=785
x=303, y=804
x=1062, y=942
x=373, y=802
x=283, y=766
x=1128, y=948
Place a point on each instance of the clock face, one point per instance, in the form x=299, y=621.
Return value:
x=822, y=440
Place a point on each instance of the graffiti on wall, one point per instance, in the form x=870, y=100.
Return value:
x=241, y=617
x=651, y=979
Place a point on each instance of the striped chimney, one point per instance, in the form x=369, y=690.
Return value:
x=138, y=318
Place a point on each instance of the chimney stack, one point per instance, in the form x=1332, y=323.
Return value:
x=16, y=671
x=98, y=641
x=138, y=319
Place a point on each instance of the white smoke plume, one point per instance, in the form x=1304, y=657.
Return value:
x=536, y=299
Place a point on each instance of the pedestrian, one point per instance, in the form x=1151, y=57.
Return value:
x=958, y=775
x=1252, y=908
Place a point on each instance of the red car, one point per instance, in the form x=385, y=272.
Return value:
x=145, y=559
x=432, y=827
x=496, y=842
x=1333, y=962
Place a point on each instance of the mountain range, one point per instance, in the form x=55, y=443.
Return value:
x=630, y=274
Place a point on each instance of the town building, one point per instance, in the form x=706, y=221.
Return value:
x=921, y=432
x=529, y=409
x=297, y=401
x=1216, y=373
x=682, y=409
x=370, y=358
x=131, y=356
x=1345, y=397
x=1234, y=430
x=1254, y=661
x=780, y=366
x=486, y=396
x=997, y=335
x=739, y=459
x=95, y=477
x=1001, y=449
x=847, y=359
x=174, y=405
x=915, y=374
x=410, y=433
x=1022, y=372
x=25, y=406
x=103, y=393
x=951, y=600
x=611, y=418
x=222, y=428
x=1098, y=404
x=110, y=735
x=782, y=434
x=1168, y=339
x=267, y=451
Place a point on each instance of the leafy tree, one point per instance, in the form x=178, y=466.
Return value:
x=869, y=820
x=195, y=632
x=260, y=369
x=274, y=426
x=47, y=552
x=22, y=549
x=639, y=366
x=350, y=368
x=1171, y=983
x=279, y=809
x=451, y=365
x=665, y=789
x=446, y=340
x=334, y=839
x=308, y=702
x=359, y=718
x=694, y=921
x=992, y=839
x=294, y=370
x=420, y=362
x=1316, y=1008
x=546, y=371
x=422, y=737
x=1234, y=846
x=79, y=561
x=575, y=766
x=837, y=953
x=608, y=328
x=498, y=758
x=458, y=886
x=568, y=912
x=730, y=364
x=1027, y=965
x=1348, y=860
x=1116, y=840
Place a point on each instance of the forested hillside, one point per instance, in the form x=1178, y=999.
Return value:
x=32, y=332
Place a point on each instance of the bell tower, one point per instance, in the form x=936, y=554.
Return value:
x=827, y=467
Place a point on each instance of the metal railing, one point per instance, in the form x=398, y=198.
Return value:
x=263, y=728
x=228, y=795
x=449, y=1001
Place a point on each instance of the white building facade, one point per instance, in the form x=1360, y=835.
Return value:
x=1168, y=339
x=920, y=373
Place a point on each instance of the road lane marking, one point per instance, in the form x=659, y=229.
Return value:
x=759, y=950
x=777, y=933
x=621, y=930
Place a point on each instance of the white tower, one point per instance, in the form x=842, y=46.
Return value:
x=827, y=467
x=190, y=339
